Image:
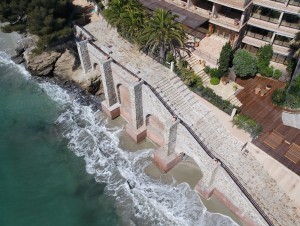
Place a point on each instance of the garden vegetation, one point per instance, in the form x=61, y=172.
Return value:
x=47, y=19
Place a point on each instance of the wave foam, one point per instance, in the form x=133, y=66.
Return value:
x=140, y=199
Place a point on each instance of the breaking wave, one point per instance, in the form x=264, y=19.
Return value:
x=140, y=200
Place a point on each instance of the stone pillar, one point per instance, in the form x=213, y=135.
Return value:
x=213, y=11
x=136, y=128
x=166, y=157
x=110, y=105
x=170, y=135
x=242, y=18
x=273, y=37
x=84, y=55
x=280, y=19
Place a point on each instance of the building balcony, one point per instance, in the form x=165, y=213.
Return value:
x=285, y=51
x=229, y=23
x=281, y=30
x=234, y=4
x=277, y=6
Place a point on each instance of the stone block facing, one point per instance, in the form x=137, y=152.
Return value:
x=166, y=162
x=111, y=111
x=137, y=135
x=108, y=82
x=84, y=55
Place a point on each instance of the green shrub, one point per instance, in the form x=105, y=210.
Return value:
x=277, y=74
x=248, y=124
x=216, y=100
x=206, y=69
x=214, y=72
x=182, y=64
x=225, y=58
x=244, y=63
x=264, y=57
x=267, y=71
x=214, y=81
x=278, y=97
x=170, y=57
x=292, y=101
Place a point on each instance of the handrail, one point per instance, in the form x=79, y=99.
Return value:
x=211, y=155
x=196, y=137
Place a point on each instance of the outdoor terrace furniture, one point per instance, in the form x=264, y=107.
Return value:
x=293, y=153
x=274, y=139
x=263, y=92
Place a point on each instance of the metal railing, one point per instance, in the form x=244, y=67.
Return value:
x=195, y=136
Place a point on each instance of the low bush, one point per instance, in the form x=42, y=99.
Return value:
x=170, y=57
x=214, y=81
x=248, y=124
x=277, y=74
x=206, y=69
x=278, y=97
x=214, y=72
x=216, y=100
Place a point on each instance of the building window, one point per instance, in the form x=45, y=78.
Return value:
x=294, y=2
x=259, y=33
x=278, y=58
x=282, y=41
x=265, y=14
x=292, y=21
x=250, y=48
x=282, y=1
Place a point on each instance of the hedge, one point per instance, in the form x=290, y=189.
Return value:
x=248, y=124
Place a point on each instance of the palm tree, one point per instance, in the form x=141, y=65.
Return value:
x=132, y=20
x=114, y=10
x=162, y=33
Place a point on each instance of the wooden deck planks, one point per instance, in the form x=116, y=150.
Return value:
x=265, y=113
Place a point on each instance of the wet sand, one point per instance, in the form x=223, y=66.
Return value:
x=186, y=171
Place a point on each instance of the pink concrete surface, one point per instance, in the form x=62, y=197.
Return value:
x=137, y=135
x=208, y=192
x=112, y=112
x=164, y=162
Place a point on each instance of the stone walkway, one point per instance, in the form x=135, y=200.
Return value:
x=276, y=204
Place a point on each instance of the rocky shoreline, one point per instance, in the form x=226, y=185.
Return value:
x=61, y=62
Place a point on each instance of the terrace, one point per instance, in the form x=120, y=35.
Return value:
x=283, y=30
x=277, y=139
x=279, y=5
x=227, y=17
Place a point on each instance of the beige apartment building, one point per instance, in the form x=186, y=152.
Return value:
x=249, y=24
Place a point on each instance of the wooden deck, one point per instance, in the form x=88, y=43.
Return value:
x=276, y=139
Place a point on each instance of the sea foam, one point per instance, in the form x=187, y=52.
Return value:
x=140, y=199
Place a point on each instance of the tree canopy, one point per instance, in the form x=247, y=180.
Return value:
x=45, y=18
x=225, y=58
x=162, y=32
x=244, y=63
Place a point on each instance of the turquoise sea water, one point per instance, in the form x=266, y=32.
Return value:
x=63, y=163
x=41, y=181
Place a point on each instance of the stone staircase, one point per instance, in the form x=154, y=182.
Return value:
x=194, y=63
x=186, y=106
x=227, y=148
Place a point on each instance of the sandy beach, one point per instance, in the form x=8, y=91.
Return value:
x=187, y=171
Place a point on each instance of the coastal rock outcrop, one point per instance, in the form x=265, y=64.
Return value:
x=67, y=68
x=42, y=64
